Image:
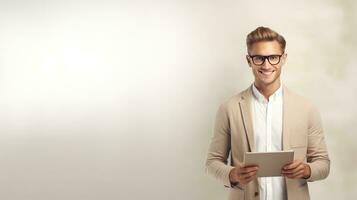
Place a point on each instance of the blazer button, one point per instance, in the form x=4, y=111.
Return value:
x=256, y=193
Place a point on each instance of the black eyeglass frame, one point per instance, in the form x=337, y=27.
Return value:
x=266, y=58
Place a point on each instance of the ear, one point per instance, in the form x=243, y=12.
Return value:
x=284, y=58
x=248, y=60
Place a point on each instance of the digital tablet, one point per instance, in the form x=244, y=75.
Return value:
x=270, y=163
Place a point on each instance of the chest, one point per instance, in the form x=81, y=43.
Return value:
x=267, y=120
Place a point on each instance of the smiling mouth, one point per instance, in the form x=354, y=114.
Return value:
x=266, y=72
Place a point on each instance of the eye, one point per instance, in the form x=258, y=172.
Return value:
x=258, y=58
x=273, y=57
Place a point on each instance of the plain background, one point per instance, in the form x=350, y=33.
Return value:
x=117, y=99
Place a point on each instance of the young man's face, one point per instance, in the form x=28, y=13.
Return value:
x=266, y=70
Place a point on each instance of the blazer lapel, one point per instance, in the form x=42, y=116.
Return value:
x=245, y=107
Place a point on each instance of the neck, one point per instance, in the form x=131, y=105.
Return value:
x=268, y=90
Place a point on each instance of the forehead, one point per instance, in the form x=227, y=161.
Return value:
x=265, y=48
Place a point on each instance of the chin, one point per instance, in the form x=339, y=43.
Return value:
x=267, y=82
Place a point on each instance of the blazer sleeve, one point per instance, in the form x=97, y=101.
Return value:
x=219, y=148
x=317, y=155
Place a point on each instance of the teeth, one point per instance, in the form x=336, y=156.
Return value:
x=266, y=72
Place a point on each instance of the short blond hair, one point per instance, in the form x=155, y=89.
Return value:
x=264, y=34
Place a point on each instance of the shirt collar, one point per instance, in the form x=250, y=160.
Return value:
x=260, y=97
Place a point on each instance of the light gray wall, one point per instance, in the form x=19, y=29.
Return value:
x=116, y=99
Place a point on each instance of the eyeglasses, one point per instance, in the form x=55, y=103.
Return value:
x=259, y=59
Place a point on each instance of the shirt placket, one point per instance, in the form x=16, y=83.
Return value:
x=269, y=146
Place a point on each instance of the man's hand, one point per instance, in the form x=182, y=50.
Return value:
x=243, y=175
x=297, y=169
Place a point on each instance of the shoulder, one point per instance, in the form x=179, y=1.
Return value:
x=298, y=101
x=233, y=101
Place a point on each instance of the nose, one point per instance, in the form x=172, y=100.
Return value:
x=266, y=64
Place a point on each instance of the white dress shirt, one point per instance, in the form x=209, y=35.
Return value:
x=267, y=125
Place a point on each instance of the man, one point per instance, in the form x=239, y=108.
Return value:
x=267, y=117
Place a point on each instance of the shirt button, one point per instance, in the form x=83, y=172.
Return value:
x=256, y=193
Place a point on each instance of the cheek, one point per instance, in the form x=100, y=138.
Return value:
x=278, y=68
x=255, y=72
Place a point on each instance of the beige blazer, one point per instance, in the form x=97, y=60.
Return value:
x=233, y=136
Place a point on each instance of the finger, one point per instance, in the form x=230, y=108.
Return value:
x=249, y=179
x=244, y=176
x=293, y=165
x=248, y=175
x=245, y=170
x=291, y=171
x=249, y=166
x=296, y=175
